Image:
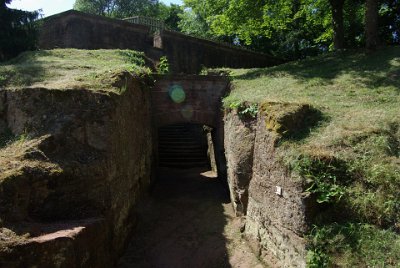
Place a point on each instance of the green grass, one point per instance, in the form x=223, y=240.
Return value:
x=353, y=245
x=71, y=68
x=359, y=98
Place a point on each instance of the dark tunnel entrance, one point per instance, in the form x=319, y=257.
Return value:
x=185, y=146
x=184, y=221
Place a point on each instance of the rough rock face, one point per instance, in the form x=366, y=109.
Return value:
x=278, y=222
x=2, y=111
x=88, y=156
x=239, y=146
x=278, y=212
x=68, y=244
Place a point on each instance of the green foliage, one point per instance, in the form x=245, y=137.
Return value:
x=194, y=24
x=352, y=245
x=118, y=8
x=326, y=176
x=136, y=59
x=351, y=161
x=250, y=110
x=316, y=254
x=289, y=28
x=94, y=7
x=171, y=15
x=374, y=198
x=244, y=109
x=18, y=32
x=163, y=66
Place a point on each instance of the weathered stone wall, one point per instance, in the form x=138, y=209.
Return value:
x=278, y=222
x=72, y=244
x=189, y=55
x=239, y=148
x=92, y=160
x=73, y=29
x=186, y=54
x=275, y=223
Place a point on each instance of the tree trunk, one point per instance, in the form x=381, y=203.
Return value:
x=337, y=21
x=351, y=9
x=371, y=24
x=296, y=24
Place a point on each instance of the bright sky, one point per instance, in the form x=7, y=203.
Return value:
x=51, y=7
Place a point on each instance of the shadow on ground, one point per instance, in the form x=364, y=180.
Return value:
x=182, y=223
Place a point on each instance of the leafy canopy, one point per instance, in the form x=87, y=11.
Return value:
x=17, y=30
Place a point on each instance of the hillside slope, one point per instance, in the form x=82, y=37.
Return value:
x=351, y=158
x=72, y=68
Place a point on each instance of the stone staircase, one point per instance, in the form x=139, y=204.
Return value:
x=179, y=146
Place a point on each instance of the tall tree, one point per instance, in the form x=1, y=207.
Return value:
x=129, y=8
x=194, y=24
x=337, y=22
x=371, y=24
x=17, y=30
x=354, y=23
x=96, y=7
x=118, y=8
x=171, y=15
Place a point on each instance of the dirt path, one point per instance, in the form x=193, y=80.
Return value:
x=188, y=222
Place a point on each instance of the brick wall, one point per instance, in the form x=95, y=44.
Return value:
x=201, y=103
x=186, y=54
x=73, y=29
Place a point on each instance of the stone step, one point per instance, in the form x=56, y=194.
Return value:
x=182, y=152
x=183, y=165
x=179, y=145
x=182, y=158
x=178, y=148
x=172, y=137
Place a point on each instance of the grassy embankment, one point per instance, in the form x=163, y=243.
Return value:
x=62, y=69
x=71, y=68
x=351, y=159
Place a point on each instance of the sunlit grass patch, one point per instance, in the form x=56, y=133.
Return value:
x=71, y=68
x=359, y=96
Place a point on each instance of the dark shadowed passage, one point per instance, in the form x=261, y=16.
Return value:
x=187, y=221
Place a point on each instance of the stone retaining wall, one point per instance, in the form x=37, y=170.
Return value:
x=186, y=54
x=277, y=211
x=88, y=155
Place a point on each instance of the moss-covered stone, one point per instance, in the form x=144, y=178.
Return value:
x=289, y=119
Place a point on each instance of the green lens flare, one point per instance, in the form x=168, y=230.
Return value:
x=177, y=94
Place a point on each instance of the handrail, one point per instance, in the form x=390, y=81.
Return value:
x=155, y=24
